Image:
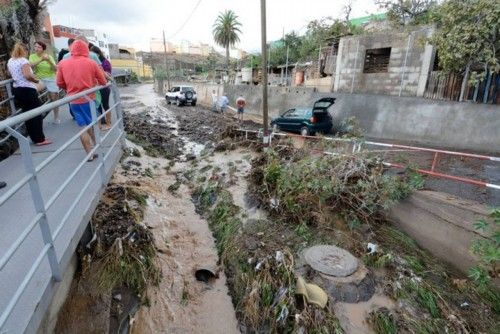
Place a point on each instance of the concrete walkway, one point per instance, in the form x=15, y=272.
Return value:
x=19, y=211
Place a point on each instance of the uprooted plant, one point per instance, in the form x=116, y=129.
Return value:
x=260, y=272
x=303, y=187
x=123, y=253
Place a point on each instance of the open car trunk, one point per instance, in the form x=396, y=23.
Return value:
x=320, y=108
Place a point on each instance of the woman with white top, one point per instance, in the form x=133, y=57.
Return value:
x=25, y=93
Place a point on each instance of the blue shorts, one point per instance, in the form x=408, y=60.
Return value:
x=83, y=116
x=241, y=110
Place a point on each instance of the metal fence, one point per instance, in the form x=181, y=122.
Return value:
x=356, y=146
x=11, y=126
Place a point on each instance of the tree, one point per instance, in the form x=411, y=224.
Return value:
x=467, y=37
x=21, y=20
x=403, y=12
x=225, y=30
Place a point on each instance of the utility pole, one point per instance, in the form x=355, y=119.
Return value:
x=286, y=68
x=264, y=70
x=166, y=61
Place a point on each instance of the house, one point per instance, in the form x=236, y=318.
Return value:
x=63, y=33
x=124, y=58
x=393, y=63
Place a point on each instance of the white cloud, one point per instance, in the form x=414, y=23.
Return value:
x=135, y=22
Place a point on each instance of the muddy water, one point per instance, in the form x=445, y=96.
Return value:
x=180, y=304
x=353, y=317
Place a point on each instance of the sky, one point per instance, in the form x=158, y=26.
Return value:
x=134, y=23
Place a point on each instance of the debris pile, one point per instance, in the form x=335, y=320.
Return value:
x=301, y=187
x=123, y=252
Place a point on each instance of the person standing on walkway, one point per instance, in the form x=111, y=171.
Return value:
x=64, y=51
x=77, y=74
x=214, y=101
x=25, y=93
x=224, y=102
x=106, y=91
x=240, y=104
x=45, y=69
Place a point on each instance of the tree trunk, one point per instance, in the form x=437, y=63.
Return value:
x=227, y=62
x=464, y=82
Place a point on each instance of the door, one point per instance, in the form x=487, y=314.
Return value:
x=286, y=120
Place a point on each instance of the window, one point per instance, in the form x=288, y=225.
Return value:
x=377, y=60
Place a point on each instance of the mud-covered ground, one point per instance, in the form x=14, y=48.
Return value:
x=190, y=178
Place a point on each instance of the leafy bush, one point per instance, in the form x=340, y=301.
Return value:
x=313, y=187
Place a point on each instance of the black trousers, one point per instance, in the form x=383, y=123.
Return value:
x=105, y=92
x=27, y=99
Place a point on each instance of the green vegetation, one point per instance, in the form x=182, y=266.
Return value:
x=467, y=38
x=408, y=12
x=383, y=321
x=487, y=250
x=314, y=187
x=124, y=253
x=262, y=286
x=302, y=48
x=225, y=30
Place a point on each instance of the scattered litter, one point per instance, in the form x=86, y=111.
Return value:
x=280, y=295
x=94, y=238
x=120, y=246
x=464, y=305
x=275, y=203
x=279, y=256
x=283, y=315
x=371, y=248
x=259, y=265
x=312, y=293
x=118, y=297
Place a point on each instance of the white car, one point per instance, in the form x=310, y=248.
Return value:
x=181, y=95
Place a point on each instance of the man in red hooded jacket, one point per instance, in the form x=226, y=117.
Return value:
x=76, y=74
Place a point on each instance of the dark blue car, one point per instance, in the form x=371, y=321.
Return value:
x=306, y=121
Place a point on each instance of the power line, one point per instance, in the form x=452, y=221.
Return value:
x=187, y=20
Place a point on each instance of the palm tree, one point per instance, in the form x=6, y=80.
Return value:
x=226, y=29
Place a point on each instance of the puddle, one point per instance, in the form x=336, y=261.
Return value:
x=353, y=317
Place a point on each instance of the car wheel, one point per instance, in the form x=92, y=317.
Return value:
x=168, y=100
x=193, y=104
x=178, y=102
x=304, y=131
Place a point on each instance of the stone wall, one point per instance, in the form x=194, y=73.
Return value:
x=410, y=61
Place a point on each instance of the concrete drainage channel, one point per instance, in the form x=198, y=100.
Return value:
x=267, y=258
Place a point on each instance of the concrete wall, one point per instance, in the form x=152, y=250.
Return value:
x=453, y=125
x=409, y=65
x=441, y=224
x=444, y=124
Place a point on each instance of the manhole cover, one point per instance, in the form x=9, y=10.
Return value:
x=331, y=260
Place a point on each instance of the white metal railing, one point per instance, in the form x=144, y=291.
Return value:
x=10, y=100
x=11, y=126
